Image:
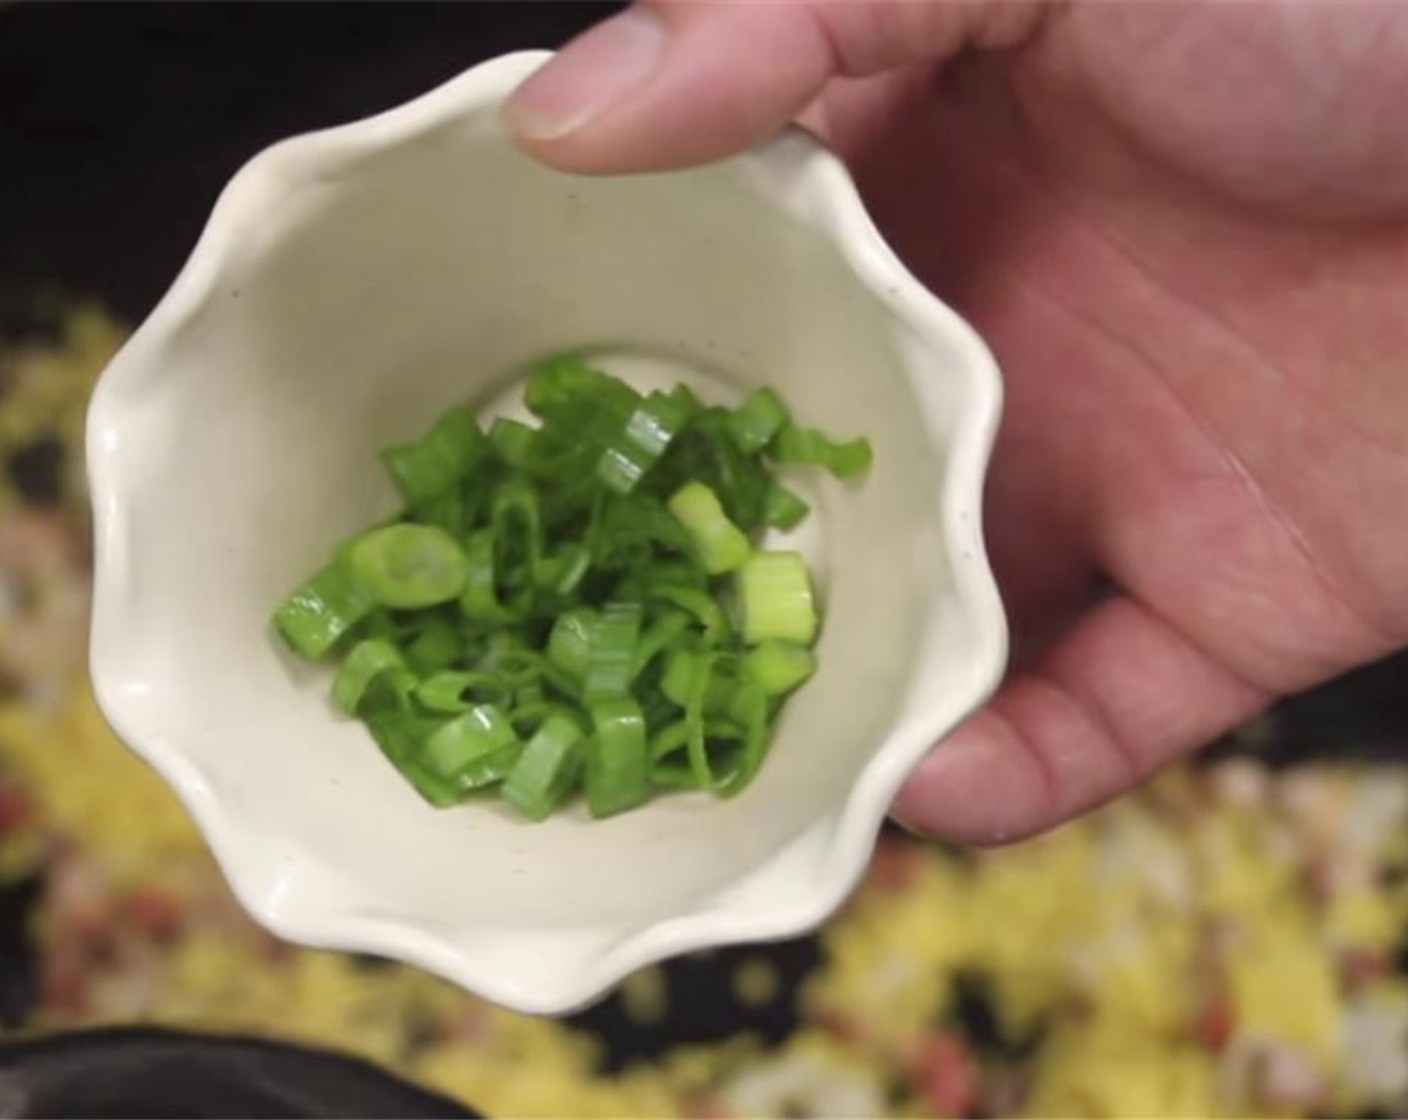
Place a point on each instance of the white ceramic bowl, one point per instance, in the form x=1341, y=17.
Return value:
x=349, y=286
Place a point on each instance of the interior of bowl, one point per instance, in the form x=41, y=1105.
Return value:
x=359, y=291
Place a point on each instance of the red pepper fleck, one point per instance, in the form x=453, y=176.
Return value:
x=946, y=1077
x=1213, y=1025
x=153, y=913
x=16, y=807
x=1361, y=967
x=473, y=1024
x=705, y=1106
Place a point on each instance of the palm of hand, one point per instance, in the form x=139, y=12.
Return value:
x=1204, y=409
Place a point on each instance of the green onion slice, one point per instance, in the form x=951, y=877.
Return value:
x=850, y=459
x=322, y=611
x=718, y=543
x=452, y=746
x=775, y=599
x=545, y=772
x=618, y=757
x=408, y=566
x=611, y=651
x=577, y=604
x=430, y=467
x=366, y=662
x=754, y=423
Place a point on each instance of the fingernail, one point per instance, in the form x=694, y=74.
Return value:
x=590, y=74
x=905, y=826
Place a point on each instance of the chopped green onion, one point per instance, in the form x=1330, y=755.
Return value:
x=647, y=433
x=558, y=576
x=437, y=645
x=400, y=733
x=783, y=509
x=618, y=758
x=570, y=643
x=479, y=601
x=407, y=566
x=445, y=512
x=545, y=771
x=565, y=387
x=669, y=739
x=488, y=769
x=677, y=681
x=850, y=459
x=778, y=667
x=445, y=691
x=430, y=467
x=775, y=599
x=321, y=611
x=753, y=423
x=512, y=440
x=708, y=454
x=660, y=635
x=697, y=688
x=719, y=544
x=516, y=522
x=563, y=573
x=611, y=651
x=454, y=745
x=753, y=708
x=368, y=660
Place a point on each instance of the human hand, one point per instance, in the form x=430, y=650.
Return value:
x=1183, y=229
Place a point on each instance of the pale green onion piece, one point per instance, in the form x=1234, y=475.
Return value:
x=778, y=667
x=775, y=599
x=719, y=544
x=407, y=566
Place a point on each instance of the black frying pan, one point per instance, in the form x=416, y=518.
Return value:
x=133, y=1072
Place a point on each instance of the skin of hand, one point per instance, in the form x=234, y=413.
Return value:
x=1183, y=229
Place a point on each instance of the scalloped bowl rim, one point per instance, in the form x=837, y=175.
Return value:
x=850, y=227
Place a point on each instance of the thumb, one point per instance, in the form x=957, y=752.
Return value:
x=669, y=83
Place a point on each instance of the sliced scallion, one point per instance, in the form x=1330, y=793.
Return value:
x=543, y=775
x=618, y=757
x=435, y=464
x=408, y=566
x=322, y=611
x=849, y=459
x=759, y=418
x=367, y=660
x=455, y=744
x=718, y=543
x=775, y=598
x=545, y=615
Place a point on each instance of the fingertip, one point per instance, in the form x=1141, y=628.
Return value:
x=969, y=790
x=664, y=86
x=584, y=80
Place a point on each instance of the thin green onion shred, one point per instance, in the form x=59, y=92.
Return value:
x=579, y=606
